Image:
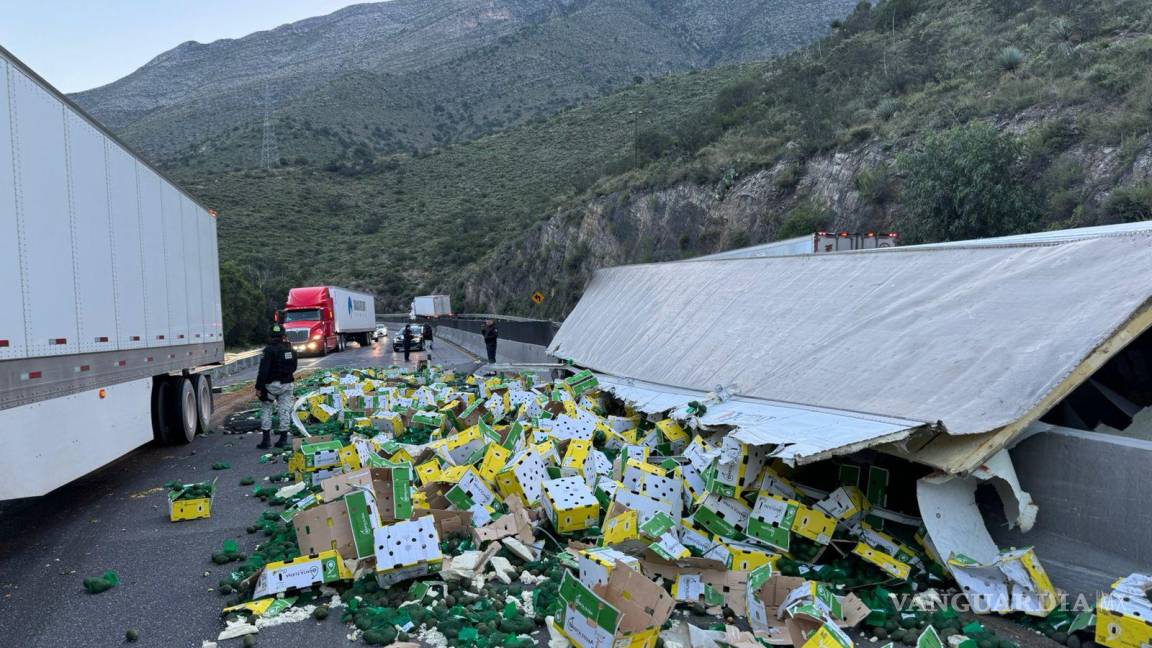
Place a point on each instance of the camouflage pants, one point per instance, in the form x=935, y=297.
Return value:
x=281, y=398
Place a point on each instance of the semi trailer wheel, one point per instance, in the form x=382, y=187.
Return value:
x=202, y=385
x=175, y=415
x=161, y=403
x=187, y=417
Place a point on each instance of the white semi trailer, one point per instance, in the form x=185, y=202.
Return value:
x=111, y=297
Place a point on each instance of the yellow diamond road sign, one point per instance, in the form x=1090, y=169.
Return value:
x=538, y=297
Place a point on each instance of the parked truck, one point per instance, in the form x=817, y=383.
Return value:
x=432, y=306
x=817, y=243
x=323, y=319
x=113, y=287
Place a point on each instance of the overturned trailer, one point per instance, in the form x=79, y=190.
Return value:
x=945, y=356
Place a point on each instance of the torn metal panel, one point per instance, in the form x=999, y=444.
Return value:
x=983, y=339
x=993, y=581
x=802, y=434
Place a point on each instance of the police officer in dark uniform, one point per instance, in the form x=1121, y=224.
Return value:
x=274, y=383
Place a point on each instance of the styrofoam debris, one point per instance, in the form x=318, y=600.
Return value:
x=521, y=550
x=433, y=638
x=529, y=607
x=555, y=639
x=462, y=567
x=289, y=491
x=504, y=569
x=528, y=579
x=236, y=629
x=208, y=644
x=291, y=615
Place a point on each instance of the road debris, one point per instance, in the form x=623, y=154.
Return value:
x=102, y=583
x=479, y=511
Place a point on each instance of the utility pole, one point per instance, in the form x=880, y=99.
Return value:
x=269, y=149
x=635, y=136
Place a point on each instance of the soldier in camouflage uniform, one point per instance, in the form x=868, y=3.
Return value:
x=274, y=382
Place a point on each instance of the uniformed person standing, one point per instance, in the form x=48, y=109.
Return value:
x=274, y=382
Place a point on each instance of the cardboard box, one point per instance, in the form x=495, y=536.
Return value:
x=324, y=454
x=844, y=503
x=596, y=564
x=737, y=467
x=472, y=493
x=522, y=476
x=651, y=481
x=569, y=504
x=627, y=612
x=887, y=563
x=620, y=527
x=345, y=526
x=1124, y=615
x=190, y=509
x=724, y=516
x=495, y=458
x=813, y=524
x=392, y=486
x=406, y=550
x=771, y=520
x=646, y=507
x=581, y=382
x=1014, y=582
x=299, y=573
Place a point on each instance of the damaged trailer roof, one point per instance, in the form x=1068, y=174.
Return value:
x=803, y=434
x=982, y=339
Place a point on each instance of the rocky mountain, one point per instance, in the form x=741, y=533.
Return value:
x=409, y=74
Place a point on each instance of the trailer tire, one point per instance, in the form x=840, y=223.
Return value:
x=202, y=385
x=161, y=403
x=182, y=412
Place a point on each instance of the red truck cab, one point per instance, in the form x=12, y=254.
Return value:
x=309, y=321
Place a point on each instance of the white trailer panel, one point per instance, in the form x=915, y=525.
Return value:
x=152, y=248
x=218, y=322
x=12, y=316
x=191, y=217
x=128, y=268
x=95, y=292
x=45, y=222
x=354, y=312
x=175, y=253
x=87, y=432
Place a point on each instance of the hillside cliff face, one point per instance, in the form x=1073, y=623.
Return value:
x=408, y=74
x=559, y=255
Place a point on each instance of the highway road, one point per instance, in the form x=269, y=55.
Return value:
x=379, y=354
x=117, y=519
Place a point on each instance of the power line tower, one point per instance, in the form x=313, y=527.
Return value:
x=269, y=149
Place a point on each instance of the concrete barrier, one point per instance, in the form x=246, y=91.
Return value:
x=506, y=350
x=233, y=365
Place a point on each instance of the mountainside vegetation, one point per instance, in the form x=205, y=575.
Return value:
x=943, y=120
x=406, y=75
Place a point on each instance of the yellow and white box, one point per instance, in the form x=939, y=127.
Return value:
x=570, y=504
x=522, y=477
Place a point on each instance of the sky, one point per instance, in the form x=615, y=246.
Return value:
x=82, y=44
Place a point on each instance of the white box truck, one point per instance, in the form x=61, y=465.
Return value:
x=113, y=288
x=432, y=306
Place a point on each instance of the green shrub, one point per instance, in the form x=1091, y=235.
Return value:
x=965, y=182
x=1130, y=204
x=1010, y=59
x=806, y=218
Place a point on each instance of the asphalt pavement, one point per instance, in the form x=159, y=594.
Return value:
x=117, y=519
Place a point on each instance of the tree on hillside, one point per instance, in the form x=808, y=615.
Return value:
x=242, y=305
x=965, y=182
